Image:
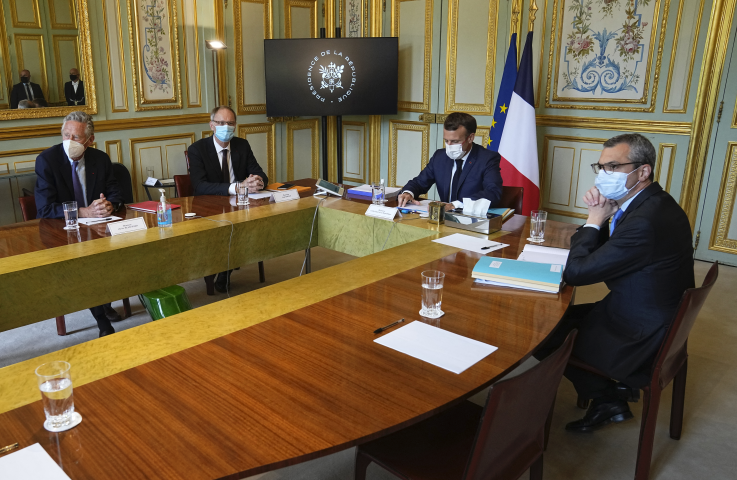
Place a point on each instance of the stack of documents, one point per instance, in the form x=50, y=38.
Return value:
x=505, y=272
x=539, y=254
x=365, y=191
x=504, y=212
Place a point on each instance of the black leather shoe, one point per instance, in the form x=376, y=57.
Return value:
x=105, y=333
x=222, y=281
x=111, y=314
x=601, y=415
x=627, y=393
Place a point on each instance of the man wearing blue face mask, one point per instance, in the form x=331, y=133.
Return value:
x=645, y=257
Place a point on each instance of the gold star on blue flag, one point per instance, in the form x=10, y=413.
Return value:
x=505, y=95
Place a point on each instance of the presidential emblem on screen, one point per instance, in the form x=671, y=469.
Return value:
x=331, y=65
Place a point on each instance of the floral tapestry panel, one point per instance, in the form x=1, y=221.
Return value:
x=605, y=50
x=353, y=24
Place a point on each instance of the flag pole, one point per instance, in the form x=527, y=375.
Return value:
x=531, y=16
x=516, y=11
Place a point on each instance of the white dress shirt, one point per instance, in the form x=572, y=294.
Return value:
x=452, y=173
x=75, y=85
x=218, y=149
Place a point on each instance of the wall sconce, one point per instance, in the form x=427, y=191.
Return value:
x=215, y=45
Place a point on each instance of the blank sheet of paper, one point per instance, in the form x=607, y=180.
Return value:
x=467, y=242
x=31, y=463
x=436, y=346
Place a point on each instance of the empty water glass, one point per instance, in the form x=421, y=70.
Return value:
x=149, y=172
x=537, y=225
x=70, y=215
x=55, y=383
x=432, y=293
x=242, y=191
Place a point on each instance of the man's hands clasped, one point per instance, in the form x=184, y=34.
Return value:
x=254, y=183
x=600, y=207
x=98, y=209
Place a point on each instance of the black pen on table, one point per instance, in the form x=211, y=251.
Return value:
x=379, y=330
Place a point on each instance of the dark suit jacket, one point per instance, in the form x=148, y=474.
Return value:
x=481, y=176
x=71, y=96
x=54, y=180
x=647, y=264
x=19, y=93
x=204, y=165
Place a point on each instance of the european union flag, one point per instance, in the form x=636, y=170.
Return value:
x=509, y=77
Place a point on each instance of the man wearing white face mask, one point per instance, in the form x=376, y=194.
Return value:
x=645, y=257
x=461, y=170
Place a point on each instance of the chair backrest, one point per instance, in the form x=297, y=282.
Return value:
x=511, y=432
x=123, y=177
x=28, y=207
x=184, y=185
x=512, y=198
x=672, y=351
x=186, y=157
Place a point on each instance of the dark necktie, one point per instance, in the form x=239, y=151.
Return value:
x=226, y=170
x=456, y=180
x=78, y=192
x=28, y=92
x=615, y=220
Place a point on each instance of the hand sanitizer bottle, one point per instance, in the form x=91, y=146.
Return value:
x=163, y=211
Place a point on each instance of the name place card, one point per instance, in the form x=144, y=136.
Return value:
x=127, y=226
x=151, y=182
x=286, y=196
x=381, y=212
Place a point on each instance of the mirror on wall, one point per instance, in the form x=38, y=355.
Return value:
x=46, y=59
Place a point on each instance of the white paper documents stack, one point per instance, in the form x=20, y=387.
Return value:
x=538, y=254
x=30, y=463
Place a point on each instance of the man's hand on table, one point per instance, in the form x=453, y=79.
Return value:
x=98, y=209
x=254, y=183
x=406, y=198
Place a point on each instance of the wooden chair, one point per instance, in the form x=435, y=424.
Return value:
x=670, y=365
x=183, y=185
x=501, y=441
x=512, y=198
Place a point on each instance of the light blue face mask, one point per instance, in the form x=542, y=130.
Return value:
x=224, y=132
x=614, y=185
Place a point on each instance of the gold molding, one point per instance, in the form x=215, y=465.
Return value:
x=56, y=39
x=328, y=13
x=364, y=150
x=207, y=133
x=483, y=133
x=122, y=56
x=615, y=125
x=36, y=24
x=376, y=17
x=7, y=169
x=24, y=170
x=570, y=182
x=451, y=59
x=712, y=67
x=515, y=24
x=394, y=127
x=5, y=54
x=196, y=43
x=311, y=5
x=673, y=53
x=649, y=71
x=423, y=106
x=62, y=26
x=25, y=151
x=374, y=148
x=332, y=149
x=309, y=124
x=222, y=55
x=118, y=146
x=270, y=130
x=134, y=161
x=244, y=108
x=725, y=205
x=659, y=163
x=134, y=34
x=39, y=39
x=542, y=52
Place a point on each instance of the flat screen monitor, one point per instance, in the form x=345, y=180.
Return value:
x=331, y=76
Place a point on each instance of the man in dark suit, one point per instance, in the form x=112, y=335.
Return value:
x=71, y=171
x=74, y=90
x=25, y=90
x=645, y=258
x=461, y=170
x=218, y=163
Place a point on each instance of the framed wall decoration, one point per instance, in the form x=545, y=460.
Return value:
x=355, y=18
x=155, y=51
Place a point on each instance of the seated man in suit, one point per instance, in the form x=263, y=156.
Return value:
x=461, y=170
x=74, y=90
x=72, y=171
x=218, y=163
x=645, y=258
x=25, y=90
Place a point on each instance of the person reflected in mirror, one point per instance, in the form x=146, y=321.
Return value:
x=25, y=90
x=40, y=103
x=74, y=89
x=26, y=104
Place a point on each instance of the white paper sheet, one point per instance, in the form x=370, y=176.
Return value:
x=484, y=281
x=256, y=196
x=436, y=346
x=93, y=221
x=540, y=254
x=30, y=463
x=467, y=242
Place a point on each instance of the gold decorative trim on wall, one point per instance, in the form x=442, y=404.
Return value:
x=374, y=148
x=119, y=34
x=243, y=107
x=424, y=106
x=649, y=71
x=452, y=56
x=659, y=164
x=141, y=104
x=62, y=26
x=118, y=145
x=207, y=133
x=482, y=133
x=135, y=161
x=292, y=126
x=57, y=39
x=5, y=57
x=725, y=205
x=543, y=20
x=25, y=151
x=552, y=167
x=615, y=125
x=394, y=127
x=673, y=55
x=270, y=130
x=364, y=150
x=39, y=39
x=309, y=4
x=515, y=24
x=36, y=23
x=192, y=101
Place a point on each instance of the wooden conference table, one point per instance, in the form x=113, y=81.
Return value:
x=288, y=372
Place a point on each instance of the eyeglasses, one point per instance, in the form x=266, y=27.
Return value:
x=610, y=167
x=220, y=123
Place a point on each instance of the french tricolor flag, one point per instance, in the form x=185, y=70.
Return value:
x=518, y=145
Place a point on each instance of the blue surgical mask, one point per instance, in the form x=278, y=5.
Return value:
x=614, y=185
x=224, y=132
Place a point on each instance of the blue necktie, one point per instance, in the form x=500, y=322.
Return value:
x=615, y=219
x=78, y=192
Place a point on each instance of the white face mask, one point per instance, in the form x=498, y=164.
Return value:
x=614, y=185
x=73, y=149
x=454, y=151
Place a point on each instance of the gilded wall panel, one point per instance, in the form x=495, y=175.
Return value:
x=682, y=56
x=561, y=176
x=409, y=150
x=262, y=137
x=25, y=14
x=482, y=135
x=724, y=230
x=303, y=149
x=253, y=24
x=664, y=165
x=415, y=52
x=355, y=152
x=63, y=14
x=115, y=56
x=165, y=154
x=66, y=56
x=191, y=39
x=300, y=18
x=31, y=55
x=539, y=35
x=114, y=150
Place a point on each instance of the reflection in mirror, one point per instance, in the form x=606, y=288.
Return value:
x=42, y=44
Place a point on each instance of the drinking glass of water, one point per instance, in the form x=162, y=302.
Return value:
x=55, y=383
x=149, y=172
x=537, y=225
x=378, y=194
x=432, y=293
x=70, y=215
x=242, y=191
